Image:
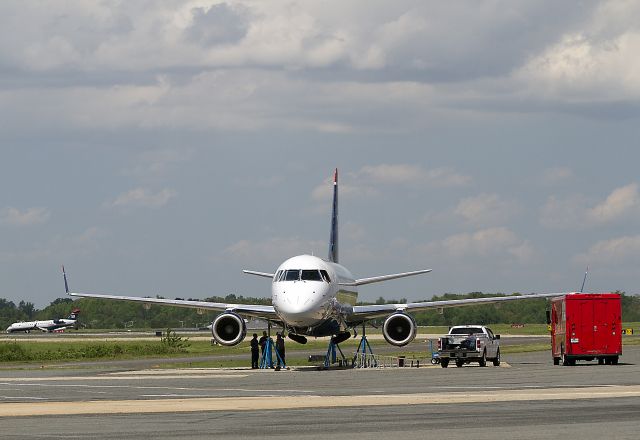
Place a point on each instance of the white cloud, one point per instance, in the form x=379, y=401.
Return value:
x=555, y=175
x=324, y=191
x=58, y=247
x=574, y=211
x=564, y=213
x=143, y=197
x=621, y=202
x=596, y=61
x=486, y=209
x=31, y=216
x=500, y=244
x=407, y=174
x=156, y=162
x=616, y=251
x=371, y=179
x=354, y=231
x=253, y=64
x=272, y=250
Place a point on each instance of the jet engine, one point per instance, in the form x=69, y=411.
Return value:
x=399, y=329
x=228, y=329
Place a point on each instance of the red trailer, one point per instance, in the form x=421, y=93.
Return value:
x=586, y=326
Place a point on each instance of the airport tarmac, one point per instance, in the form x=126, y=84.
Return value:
x=527, y=398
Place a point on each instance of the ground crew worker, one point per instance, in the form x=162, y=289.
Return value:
x=280, y=349
x=263, y=342
x=254, y=351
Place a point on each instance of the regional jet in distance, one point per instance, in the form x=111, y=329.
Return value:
x=45, y=326
x=312, y=296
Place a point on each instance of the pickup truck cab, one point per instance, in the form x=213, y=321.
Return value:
x=469, y=343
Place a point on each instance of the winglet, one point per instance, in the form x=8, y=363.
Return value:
x=333, y=237
x=66, y=285
x=584, y=279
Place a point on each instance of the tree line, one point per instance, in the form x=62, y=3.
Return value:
x=106, y=314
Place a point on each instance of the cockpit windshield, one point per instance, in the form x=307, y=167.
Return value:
x=311, y=275
x=301, y=274
x=292, y=275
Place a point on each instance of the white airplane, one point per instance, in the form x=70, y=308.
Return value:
x=316, y=297
x=45, y=326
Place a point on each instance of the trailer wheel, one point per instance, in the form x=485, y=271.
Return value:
x=600, y=361
x=614, y=360
x=483, y=360
x=459, y=363
x=444, y=363
x=496, y=361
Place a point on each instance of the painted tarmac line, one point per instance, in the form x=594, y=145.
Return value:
x=130, y=377
x=180, y=371
x=297, y=402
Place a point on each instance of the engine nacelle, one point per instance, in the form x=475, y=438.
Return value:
x=228, y=329
x=399, y=329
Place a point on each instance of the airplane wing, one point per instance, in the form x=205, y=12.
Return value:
x=252, y=310
x=378, y=310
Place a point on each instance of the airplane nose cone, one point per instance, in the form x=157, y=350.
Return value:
x=300, y=304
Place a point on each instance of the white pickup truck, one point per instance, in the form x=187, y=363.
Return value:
x=469, y=343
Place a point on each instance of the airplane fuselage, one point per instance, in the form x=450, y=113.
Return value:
x=308, y=292
x=45, y=326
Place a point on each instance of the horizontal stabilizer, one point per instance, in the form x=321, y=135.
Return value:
x=378, y=279
x=260, y=274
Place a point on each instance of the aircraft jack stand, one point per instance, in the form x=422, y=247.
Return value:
x=363, y=357
x=267, y=356
x=331, y=356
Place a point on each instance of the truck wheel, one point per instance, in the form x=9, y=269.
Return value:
x=496, y=361
x=444, y=363
x=600, y=361
x=614, y=360
x=483, y=360
x=459, y=363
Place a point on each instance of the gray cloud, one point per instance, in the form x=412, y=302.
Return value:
x=577, y=211
x=218, y=24
x=30, y=216
x=142, y=197
x=425, y=106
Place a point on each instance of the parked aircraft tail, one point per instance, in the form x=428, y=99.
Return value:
x=333, y=237
x=66, y=285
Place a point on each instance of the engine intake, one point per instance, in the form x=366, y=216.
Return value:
x=228, y=329
x=399, y=329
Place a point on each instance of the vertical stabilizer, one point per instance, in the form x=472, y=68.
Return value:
x=333, y=238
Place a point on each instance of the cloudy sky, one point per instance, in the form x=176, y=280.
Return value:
x=161, y=147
